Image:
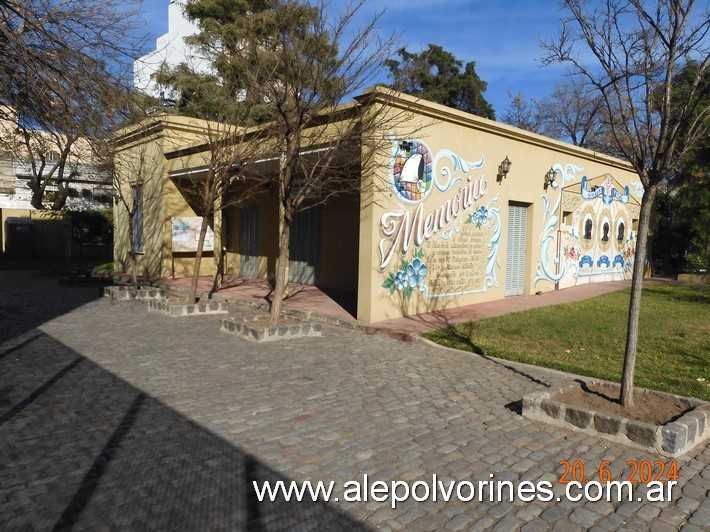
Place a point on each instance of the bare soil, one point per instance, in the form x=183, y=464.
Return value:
x=648, y=407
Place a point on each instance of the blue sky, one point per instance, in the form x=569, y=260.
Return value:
x=501, y=36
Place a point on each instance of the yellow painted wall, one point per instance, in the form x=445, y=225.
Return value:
x=466, y=263
x=140, y=164
x=52, y=235
x=140, y=159
x=475, y=147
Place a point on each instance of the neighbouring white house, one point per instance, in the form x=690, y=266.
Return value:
x=89, y=189
x=170, y=49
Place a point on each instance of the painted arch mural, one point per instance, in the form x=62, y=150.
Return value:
x=589, y=231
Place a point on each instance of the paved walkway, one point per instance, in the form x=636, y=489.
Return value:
x=312, y=299
x=112, y=417
x=443, y=318
x=341, y=305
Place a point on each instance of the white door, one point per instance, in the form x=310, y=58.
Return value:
x=517, y=243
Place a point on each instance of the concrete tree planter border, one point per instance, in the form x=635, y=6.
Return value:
x=673, y=439
x=119, y=293
x=180, y=308
x=125, y=293
x=247, y=329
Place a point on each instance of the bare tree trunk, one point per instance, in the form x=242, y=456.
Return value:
x=219, y=251
x=627, y=378
x=198, y=260
x=218, y=278
x=281, y=280
x=134, y=258
x=134, y=274
x=36, y=200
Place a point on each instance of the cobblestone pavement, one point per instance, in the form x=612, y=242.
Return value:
x=112, y=417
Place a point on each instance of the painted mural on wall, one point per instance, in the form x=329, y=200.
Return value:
x=442, y=242
x=589, y=232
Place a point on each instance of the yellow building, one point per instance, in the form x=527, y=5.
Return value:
x=464, y=211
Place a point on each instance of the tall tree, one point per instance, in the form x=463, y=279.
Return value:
x=291, y=64
x=522, y=113
x=681, y=233
x=435, y=74
x=306, y=60
x=573, y=113
x=638, y=52
x=218, y=95
x=61, y=67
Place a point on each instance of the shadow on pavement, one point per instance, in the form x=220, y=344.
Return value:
x=82, y=449
x=465, y=339
x=27, y=301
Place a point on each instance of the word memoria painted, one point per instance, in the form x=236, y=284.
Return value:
x=401, y=229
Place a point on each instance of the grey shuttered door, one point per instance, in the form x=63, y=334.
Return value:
x=249, y=241
x=305, y=244
x=515, y=262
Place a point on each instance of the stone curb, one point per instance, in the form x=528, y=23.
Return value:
x=118, y=293
x=672, y=440
x=306, y=315
x=125, y=293
x=173, y=309
x=243, y=329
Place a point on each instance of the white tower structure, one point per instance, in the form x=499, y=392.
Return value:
x=170, y=49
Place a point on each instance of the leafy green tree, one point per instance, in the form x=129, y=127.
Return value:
x=435, y=74
x=681, y=237
x=221, y=90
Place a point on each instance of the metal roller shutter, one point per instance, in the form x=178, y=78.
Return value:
x=305, y=246
x=249, y=241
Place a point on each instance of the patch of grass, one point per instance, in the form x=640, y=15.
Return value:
x=104, y=266
x=589, y=337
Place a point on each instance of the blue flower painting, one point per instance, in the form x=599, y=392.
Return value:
x=409, y=276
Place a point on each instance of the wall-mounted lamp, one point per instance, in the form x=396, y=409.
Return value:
x=503, y=169
x=550, y=177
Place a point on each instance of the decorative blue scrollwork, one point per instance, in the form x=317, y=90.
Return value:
x=492, y=262
x=603, y=261
x=586, y=260
x=601, y=191
x=545, y=271
x=457, y=164
x=618, y=260
x=638, y=188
